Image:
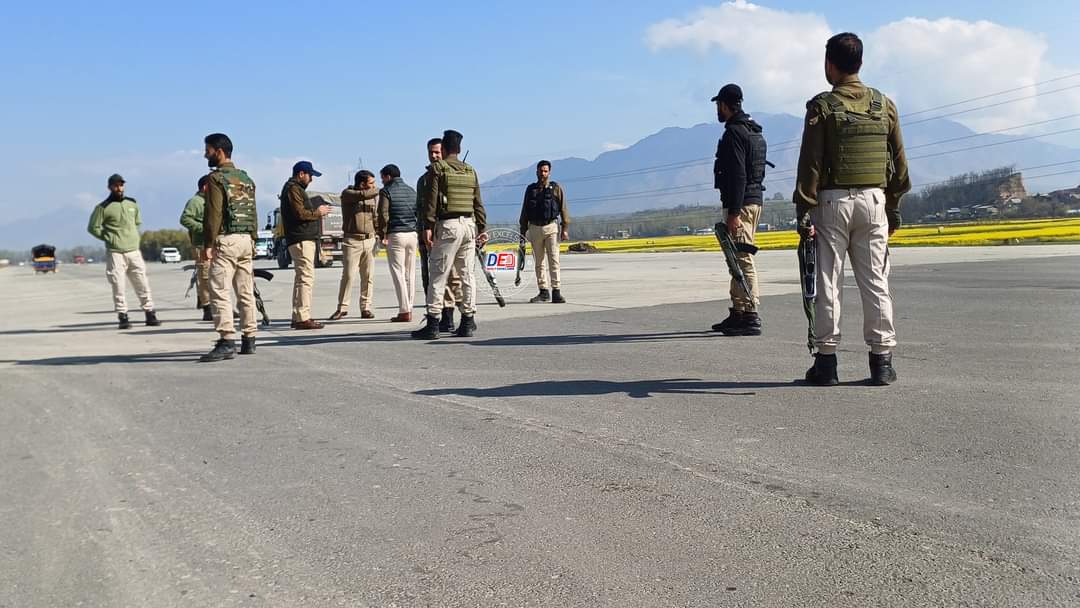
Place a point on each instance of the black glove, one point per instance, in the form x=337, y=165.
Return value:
x=893, y=216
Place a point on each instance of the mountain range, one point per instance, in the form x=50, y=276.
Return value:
x=670, y=167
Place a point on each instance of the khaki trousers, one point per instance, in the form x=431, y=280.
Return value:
x=122, y=266
x=231, y=273
x=852, y=224
x=749, y=217
x=545, y=247
x=303, y=258
x=454, y=249
x=452, y=294
x=401, y=253
x=202, y=277
x=358, y=256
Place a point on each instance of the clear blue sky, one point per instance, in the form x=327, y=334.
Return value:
x=89, y=84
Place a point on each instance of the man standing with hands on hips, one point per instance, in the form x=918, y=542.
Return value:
x=543, y=206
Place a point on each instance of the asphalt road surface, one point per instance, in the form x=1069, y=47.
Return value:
x=607, y=452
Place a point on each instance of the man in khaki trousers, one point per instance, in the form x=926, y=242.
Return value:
x=396, y=225
x=541, y=211
x=359, y=246
x=192, y=219
x=303, y=224
x=116, y=222
x=852, y=173
x=739, y=174
x=230, y=226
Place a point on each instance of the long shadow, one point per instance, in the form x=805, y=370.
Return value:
x=579, y=339
x=313, y=338
x=174, y=357
x=113, y=314
x=638, y=389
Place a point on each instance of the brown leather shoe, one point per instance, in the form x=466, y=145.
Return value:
x=339, y=314
x=308, y=324
x=403, y=317
x=367, y=314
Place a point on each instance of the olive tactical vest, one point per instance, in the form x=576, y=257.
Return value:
x=457, y=186
x=240, y=214
x=856, y=141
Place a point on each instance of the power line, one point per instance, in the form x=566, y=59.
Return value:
x=701, y=161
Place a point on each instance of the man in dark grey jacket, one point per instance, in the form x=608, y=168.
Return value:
x=395, y=225
x=739, y=173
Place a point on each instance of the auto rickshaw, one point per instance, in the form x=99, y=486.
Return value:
x=44, y=258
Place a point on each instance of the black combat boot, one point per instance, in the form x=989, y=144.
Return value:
x=124, y=322
x=823, y=373
x=446, y=324
x=556, y=297
x=151, y=319
x=207, y=314
x=430, y=330
x=247, y=345
x=467, y=326
x=744, y=324
x=722, y=325
x=881, y=370
x=543, y=296
x=223, y=349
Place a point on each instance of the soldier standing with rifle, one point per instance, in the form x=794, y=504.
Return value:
x=739, y=171
x=454, y=222
x=544, y=204
x=852, y=173
x=452, y=294
x=230, y=228
x=192, y=219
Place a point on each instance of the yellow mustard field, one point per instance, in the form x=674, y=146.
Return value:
x=998, y=233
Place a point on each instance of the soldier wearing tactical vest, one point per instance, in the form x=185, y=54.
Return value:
x=739, y=173
x=192, y=219
x=543, y=206
x=302, y=227
x=116, y=221
x=230, y=229
x=395, y=225
x=852, y=172
x=452, y=294
x=454, y=222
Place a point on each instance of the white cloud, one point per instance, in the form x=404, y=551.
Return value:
x=611, y=147
x=777, y=57
x=778, y=54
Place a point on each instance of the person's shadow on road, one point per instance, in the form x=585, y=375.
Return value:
x=638, y=389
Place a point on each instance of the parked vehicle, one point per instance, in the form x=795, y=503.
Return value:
x=264, y=245
x=44, y=258
x=170, y=255
x=327, y=248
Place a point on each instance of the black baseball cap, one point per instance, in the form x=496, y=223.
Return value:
x=116, y=178
x=306, y=167
x=730, y=94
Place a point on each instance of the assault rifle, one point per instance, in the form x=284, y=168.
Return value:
x=731, y=249
x=490, y=276
x=520, y=261
x=808, y=282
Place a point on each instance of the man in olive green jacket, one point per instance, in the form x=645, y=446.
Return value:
x=116, y=221
x=192, y=219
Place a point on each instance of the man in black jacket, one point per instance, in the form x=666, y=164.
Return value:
x=739, y=171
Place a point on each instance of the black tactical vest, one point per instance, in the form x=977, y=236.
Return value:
x=543, y=207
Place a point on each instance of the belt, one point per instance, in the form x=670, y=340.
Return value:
x=362, y=235
x=454, y=216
